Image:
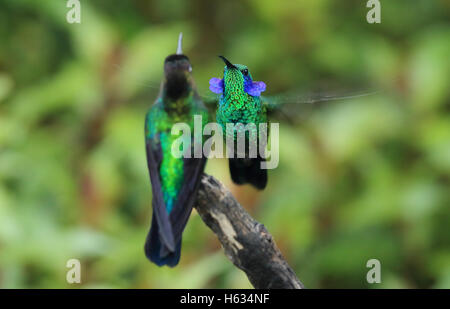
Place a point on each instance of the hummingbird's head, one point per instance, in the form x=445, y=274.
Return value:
x=177, y=72
x=236, y=77
x=235, y=73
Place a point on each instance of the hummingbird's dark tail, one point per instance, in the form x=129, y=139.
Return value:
x=248, y=171
x=157, y=252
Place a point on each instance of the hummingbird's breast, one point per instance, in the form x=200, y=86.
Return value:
x=240, y=109
x=246, y=112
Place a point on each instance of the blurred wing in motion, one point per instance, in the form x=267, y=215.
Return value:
x=296, y=106
x=211, y=102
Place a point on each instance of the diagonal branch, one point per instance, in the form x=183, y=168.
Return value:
x=246, y=242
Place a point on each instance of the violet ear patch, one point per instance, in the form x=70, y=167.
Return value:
x=255, y=88
x=216, y=85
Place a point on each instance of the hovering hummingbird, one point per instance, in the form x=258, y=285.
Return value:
x=175, y=181
x=241, y=101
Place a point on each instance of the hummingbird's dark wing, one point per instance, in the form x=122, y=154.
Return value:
x=163, y=245
x=296, y=106
x=160, y=240
x=193, y=170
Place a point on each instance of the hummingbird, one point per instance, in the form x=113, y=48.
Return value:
x=240, y=102
x=175, y=181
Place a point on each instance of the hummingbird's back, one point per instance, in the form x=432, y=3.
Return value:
x=175, y=180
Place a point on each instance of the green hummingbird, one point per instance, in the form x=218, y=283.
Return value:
x=175, y=181
x=240, y=103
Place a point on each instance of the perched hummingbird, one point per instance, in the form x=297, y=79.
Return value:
x=175, y=181
x=240, y=102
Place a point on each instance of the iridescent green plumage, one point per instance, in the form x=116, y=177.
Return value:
x=236, y=105
x=159, y=122
x=239, y=104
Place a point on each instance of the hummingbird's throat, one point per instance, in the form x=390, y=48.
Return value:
x=176, y=86
x=234, y=84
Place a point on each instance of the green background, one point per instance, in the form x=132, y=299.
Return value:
x=358, y=179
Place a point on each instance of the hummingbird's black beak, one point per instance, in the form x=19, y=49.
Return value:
x=228, y=63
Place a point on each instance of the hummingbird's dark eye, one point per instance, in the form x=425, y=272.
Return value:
x=245, y=72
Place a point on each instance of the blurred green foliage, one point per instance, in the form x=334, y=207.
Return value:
x=358, y=179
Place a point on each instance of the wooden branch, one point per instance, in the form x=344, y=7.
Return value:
x=246, y=242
